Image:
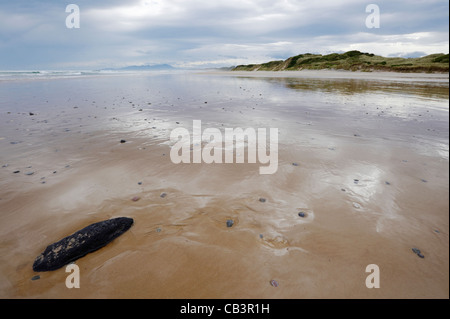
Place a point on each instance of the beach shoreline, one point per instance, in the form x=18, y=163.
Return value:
x=339, y=74
x=371, y=186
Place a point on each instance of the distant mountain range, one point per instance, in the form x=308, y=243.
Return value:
x=156, y=67
x=354, y=61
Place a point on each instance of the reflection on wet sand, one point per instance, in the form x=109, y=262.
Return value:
x=436, y=90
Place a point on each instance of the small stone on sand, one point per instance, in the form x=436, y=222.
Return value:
x=356, y=205
x=135, y=198
x=262, y=200
x=230, y=223
x=418, y=252
x=274, y=283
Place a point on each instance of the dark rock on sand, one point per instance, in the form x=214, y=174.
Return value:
x=230, y=223
x=262, y=200
x=418, y=252
x=123, y=141
x=81, y=243
x=302, y=214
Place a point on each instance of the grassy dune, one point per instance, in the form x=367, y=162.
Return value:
x=354, y=61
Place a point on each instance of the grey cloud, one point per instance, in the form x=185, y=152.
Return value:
x=33, y=34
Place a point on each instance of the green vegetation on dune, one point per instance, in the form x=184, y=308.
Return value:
x=354, y=61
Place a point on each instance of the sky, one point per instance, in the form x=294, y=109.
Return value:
x=34, y=34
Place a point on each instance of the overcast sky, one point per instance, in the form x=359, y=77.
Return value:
x=210, y=33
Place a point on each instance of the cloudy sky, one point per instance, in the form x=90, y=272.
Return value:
x=211, y=33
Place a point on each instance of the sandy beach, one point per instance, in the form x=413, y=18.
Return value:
x=363, y=155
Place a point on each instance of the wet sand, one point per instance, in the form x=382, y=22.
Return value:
x=371, y=176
